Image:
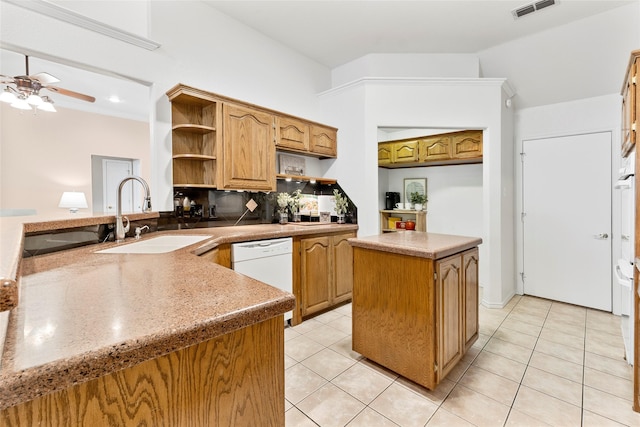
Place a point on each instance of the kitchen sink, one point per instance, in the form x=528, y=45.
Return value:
x=156, y=245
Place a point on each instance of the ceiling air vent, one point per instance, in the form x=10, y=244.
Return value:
x=533, y=7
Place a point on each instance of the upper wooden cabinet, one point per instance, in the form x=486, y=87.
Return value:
x=442, y=149
x=292, y=134
x=435, y=148
x=324, y=141
x=384, y=153
x=307, y=138
x=223, y=143
x=466, y=145
x=630, y=104
x=405, y=152
x=395, y=152
x=248, y=149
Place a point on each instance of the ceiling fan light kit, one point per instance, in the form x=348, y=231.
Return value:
x=21, y=104
x=26, y=93
x=26, y=101
x=47, y=105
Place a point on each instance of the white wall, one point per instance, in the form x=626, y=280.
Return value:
x=369, y=104
x=199, y=46
x=403, y=65
x=44, y=154
x=455, y=196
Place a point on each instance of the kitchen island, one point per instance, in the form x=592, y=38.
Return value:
x=415, y=301
x=156, y=339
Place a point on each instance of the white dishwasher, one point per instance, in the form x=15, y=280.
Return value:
x=269, y=261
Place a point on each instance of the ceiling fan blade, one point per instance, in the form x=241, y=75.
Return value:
x=6, y=79
x=71, y=93
x=45, y=78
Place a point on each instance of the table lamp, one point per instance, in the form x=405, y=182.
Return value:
x=73, y=200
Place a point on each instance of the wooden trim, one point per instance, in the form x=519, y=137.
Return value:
x=635, y=54
x=296, y=317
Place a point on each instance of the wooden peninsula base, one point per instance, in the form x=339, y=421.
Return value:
x=415, y=302
x=236, y=379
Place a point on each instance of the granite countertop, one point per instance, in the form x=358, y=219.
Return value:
x=13, y=229
x=83, y=314
x=417, y=243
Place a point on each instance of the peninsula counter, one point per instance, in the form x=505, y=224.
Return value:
x=159, y=339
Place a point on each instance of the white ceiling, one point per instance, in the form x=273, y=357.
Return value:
x=134, y=96
x=332, y=33
x=336, y=32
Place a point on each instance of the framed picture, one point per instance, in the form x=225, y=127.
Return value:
x=414, y=185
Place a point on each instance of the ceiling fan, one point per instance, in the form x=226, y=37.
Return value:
x=26, y=93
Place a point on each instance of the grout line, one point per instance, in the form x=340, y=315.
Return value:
x=456, y=383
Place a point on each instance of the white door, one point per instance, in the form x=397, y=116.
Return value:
x=114, y=171
x=567, y=219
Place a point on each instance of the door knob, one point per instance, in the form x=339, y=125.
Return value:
x=601, y=236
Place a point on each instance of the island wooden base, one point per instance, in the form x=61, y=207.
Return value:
x=416, y=316
x=233, y=380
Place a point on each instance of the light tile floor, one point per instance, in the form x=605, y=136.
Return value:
x=536, y=363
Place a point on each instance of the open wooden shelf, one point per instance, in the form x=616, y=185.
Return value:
x=420, y=218
x=194, y=157
x=306, y=178
x=191, y=128
x=194, y=185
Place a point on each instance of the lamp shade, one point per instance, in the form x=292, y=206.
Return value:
x=73, y=200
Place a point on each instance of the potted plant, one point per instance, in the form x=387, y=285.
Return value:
x=294, y=205
x=342, y=204
x=418, y=200
x=283, y=202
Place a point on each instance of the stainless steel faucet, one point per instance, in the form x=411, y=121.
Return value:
x=121, y=230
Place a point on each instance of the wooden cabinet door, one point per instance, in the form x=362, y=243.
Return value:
x=435, y=148
x=467, y=145
x=405, y=152
x=385, y=156
x=248, y=150
x=449, y=308
x=342, y=262
x=292, y=134
x=630, y=109
x=471, y=304
x=324, y=141
x=315, y=277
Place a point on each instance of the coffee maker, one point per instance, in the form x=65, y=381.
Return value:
x=391, y=199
